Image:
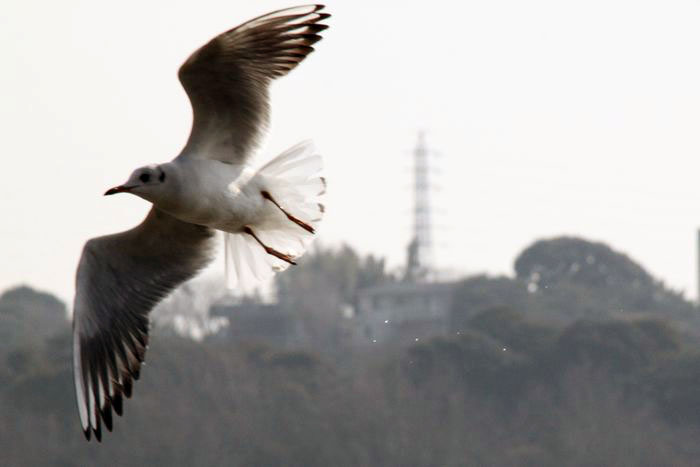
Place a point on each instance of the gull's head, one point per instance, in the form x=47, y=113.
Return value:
x=146, y=182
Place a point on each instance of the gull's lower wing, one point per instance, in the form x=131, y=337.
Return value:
x=227, y=79
x=120, y=278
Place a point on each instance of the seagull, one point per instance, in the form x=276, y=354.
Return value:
x=268, y=215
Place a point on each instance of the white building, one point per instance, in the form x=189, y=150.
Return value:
x=403, y=311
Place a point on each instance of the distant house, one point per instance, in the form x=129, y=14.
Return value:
x=403, y=311
x=260, y=322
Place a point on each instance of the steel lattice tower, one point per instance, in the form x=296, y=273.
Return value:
x=420, y=262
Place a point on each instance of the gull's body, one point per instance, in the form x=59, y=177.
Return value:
x=268, y=215
x=222, y=196
x=209, y=195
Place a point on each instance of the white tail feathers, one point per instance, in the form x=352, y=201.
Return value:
x=295, y=188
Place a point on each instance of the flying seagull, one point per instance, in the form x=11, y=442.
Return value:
x=268, y=215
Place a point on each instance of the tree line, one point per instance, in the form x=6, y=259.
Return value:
x=580, y=358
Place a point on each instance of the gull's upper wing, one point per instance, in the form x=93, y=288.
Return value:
x=227, y=79
x=120, y=279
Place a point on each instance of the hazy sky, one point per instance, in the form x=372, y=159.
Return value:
x=550, y=117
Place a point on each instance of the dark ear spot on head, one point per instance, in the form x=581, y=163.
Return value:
x=162, y=177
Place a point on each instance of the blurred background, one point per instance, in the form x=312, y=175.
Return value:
x=506, y=275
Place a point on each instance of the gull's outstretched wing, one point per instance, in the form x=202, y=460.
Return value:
x=120, y=279
x=227, y=79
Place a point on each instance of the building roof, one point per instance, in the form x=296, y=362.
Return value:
x=408, y=288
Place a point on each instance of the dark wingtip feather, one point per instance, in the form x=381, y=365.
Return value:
x=86, y=432
x=107, y=416
x=312, y=29
x=117, y=403
x=127, y=387
x=315, y=28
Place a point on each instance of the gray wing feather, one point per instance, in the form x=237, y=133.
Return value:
x=227, y=80
x=120, y=278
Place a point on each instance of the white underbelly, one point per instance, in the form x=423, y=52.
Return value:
x=227, y=199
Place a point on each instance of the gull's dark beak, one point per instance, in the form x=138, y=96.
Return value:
x=117, y=189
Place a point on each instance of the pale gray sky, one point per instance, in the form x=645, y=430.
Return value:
x=552, y=118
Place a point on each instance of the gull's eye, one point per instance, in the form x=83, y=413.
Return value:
x=144, y=178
